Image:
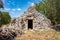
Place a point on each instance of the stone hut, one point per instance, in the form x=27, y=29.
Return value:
x=32, y=19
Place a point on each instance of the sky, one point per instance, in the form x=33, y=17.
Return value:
x=17, y=7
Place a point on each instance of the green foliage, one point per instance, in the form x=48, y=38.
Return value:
x=4, y=18
x=1, y=4
x=51, y=8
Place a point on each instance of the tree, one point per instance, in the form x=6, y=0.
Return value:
x=1, y=4
x=50, y=8
x=4, y=18
x=0, y=19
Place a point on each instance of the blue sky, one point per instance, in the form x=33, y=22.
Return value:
x=17, y=7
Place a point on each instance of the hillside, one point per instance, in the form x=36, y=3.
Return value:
x=39, y=35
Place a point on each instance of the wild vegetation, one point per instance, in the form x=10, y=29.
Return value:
x=51, y=9
x=4, y=18
x=39, y=35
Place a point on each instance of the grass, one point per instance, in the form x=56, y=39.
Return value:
x=39, y=35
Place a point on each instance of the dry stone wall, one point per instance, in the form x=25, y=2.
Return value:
x=39, y=20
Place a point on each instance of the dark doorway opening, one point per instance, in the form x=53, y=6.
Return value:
x=30, y=24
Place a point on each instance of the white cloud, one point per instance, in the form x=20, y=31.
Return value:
x=7, y=9
x=13, y=9
x=12, y=13
x=19, y=9
x=32, y=4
